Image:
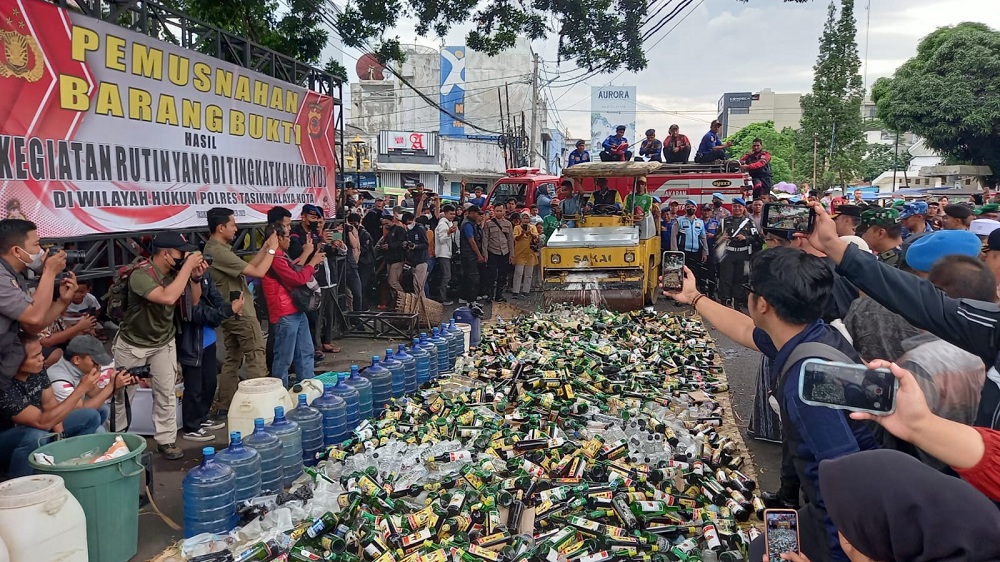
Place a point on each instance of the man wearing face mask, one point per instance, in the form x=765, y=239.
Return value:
x=691, y=238
x=416, y=246
x=19, y=252
x=147, y=335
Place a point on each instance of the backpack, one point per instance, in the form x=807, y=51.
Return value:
x=305, y=298
x=116, y=299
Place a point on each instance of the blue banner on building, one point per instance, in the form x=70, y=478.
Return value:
x=452, y=90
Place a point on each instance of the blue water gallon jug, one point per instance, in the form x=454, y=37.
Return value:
x=458, y=340
x=443, y=347
x=245, y=462
x=381, y=379
x=209, y=497
x=290, y=435
x=409, y=369
x=364, y=388
x=271, y=457
x=334, y=413
x=422, y=360
x=464, y=315
x=351, y=400
x=310, y=421
x=398, y=373
x=431, y=349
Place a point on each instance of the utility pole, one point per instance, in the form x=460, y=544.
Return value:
x=534, y=113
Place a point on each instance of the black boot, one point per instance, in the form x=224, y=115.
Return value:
x=781, y=499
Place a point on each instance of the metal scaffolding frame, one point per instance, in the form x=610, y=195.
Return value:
x=106, y=253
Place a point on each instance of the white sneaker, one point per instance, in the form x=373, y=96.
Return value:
x=200, y=435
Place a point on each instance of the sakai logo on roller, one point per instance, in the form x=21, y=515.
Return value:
x=592, y=258
x=20, y=55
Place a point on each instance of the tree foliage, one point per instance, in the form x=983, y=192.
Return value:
x=831, y=113
x=598, y=35
x=781, y=145
x=881, y=158
x=948, y=94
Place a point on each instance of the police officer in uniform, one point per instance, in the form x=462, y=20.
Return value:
x=691, y=239
x=741, y=238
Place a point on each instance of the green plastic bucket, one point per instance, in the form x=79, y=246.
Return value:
x=108, y=491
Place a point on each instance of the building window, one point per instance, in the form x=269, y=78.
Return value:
x=968, y=181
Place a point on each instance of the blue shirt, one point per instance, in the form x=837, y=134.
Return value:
x=707, y=142
x=208, y=336
x=612, y=142
x=822, y=433
x=905, y=232
x=692, y=229
x=479, y=201
x=544, y=203
x=576, y=157
x=711, y=229
x=468, y=230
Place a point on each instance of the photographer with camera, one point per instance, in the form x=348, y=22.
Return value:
x=29, y=411
x=148, y=330
x=85, y=354
x=310, y=239
x=20, y=251
x=203, y=309
x=241, y=334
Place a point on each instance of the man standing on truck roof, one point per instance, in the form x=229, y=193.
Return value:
x=757, y=163
x=690, y=238
x=241, y=333
x=712, y=149
x=578, y=156
x=616, y=147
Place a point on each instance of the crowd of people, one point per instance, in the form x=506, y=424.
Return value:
x=919, y=483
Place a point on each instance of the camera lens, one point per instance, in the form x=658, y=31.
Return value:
x=208, y=259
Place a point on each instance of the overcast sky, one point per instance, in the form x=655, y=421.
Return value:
x=730, y=46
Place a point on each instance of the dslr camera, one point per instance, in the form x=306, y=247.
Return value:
x=141, y=372
x=73, y=257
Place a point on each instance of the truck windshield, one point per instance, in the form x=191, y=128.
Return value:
x=503, y=191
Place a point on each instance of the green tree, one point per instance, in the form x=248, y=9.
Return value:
x=948, y=95
x=880, y=158
x=297, y=33
x=597, y=35
x=781, y=145
x=831, y=114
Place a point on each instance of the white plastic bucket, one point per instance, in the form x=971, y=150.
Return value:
x=41, y=520
x=312, y=388
x=467, y=332
x=256, y=398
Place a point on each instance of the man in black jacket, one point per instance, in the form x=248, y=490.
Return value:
x=417, y=252
x=393, y=252
x=967, y=324
x=203, y=309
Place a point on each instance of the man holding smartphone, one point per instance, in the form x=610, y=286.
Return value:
x=788, y=289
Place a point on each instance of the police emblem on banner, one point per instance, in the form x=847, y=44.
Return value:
x=20, y=55
x=315, y=120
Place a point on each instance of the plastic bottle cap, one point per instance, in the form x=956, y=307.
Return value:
x=302, y=400
x=235, y=436
x=279, y=411
x=208, y=451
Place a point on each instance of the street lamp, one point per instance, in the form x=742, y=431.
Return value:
x=361, y=157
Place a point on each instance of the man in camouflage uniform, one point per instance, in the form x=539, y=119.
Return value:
x=882, y=229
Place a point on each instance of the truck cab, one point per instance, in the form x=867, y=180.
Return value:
x=521, y=184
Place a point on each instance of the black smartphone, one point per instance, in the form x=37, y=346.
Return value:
x=234, y=295
x=673, y=271
x=781, y=532
x=793, y=218
x=848, y=387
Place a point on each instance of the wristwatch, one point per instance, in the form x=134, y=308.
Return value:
x=271, y=251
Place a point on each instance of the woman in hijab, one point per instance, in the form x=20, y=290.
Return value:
x=889, y=507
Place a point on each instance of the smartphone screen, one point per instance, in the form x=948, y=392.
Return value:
x=336, y=236
x=848, y=387
x=781, y=531
x=796, y=218
x=673, y=270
